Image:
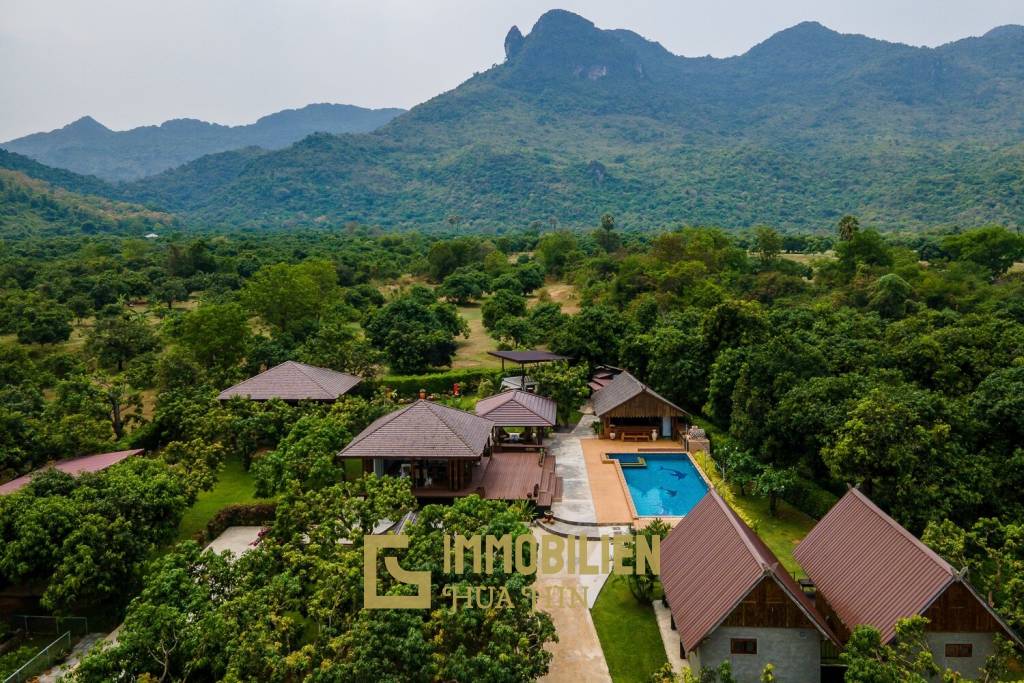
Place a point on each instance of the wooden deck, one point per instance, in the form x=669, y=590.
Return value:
x=507, y=476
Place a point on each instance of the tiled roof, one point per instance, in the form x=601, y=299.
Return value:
x=74, y=467
x=710, y=562
x=620, y=389
x=422, y=429
x=870, y=569
x=291, y=381
x=518, y=408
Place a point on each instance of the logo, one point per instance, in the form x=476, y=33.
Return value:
x=525, y=554
x=372, y=544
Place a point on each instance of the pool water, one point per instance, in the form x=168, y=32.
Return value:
x=668, y=485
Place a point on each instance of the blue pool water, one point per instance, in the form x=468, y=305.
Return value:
x=668, y=486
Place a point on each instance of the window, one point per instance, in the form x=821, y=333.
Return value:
x=959, y=650
x=743, y=646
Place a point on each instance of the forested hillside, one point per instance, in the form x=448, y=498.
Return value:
x=803, y=128
x=87, y=146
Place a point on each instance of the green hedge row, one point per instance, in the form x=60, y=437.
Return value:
x=810, y=498
x=408, y=386
x=239, y=514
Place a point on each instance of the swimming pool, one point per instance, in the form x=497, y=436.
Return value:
x=661, y=484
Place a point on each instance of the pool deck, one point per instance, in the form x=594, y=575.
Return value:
x=611, y=497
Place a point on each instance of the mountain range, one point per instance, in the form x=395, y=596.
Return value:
x=804, y=127
x=86, y=146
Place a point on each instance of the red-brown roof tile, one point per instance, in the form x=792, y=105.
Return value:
x=710, y=562
x=74, y=467
x=517, y=408
x=622, y=388
x=292, y=381
x=423, y=429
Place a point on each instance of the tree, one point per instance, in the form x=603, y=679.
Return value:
x=415, y=332
x=642, y=584
x=170, y=290
x=216, y=335
x=289, y=298
x=605, y=235
x=774, y=483
x=119, y=336
x=768, y=243
x=906, y=660
x=515, y=332
x=848, y=227
x=890, y=295
x=554, y=251
x=339, y=346
x=45, y=323
x=565, y=384
x=592, y=336
x=124, y=403
x=502, y=304
x=460, y=288
x=994, y=248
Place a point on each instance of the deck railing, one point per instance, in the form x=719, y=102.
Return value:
x=47, y=657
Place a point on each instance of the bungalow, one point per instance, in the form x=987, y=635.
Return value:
x=74, y=467
x=731, y=599
x=633, y=411
x=292, y=382
x=447, y=454
x=516, y=408
x=867, y=569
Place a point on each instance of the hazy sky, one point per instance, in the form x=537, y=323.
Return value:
x=137, y=62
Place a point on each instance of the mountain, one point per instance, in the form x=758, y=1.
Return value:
x=88, y=147
x=804, y=127
x=32, y=207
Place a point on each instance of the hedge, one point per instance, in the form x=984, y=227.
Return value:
x=811, y=499
x=239, y=514
x=408, y=386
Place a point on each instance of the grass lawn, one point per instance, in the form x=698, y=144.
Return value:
x=472, y=352
x=234, y=485
x=780, y=533
x=628, y=632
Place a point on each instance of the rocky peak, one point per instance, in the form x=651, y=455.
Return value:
x=513, y=42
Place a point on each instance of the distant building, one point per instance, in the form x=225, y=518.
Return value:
x=152, y=236
x=732, y=600
x=867, y=569
x=74, y=467
x=293, y=382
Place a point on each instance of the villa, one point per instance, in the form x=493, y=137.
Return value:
x=631, y=411
x=293, y=382
x=448, y=453
x=732, y=600
x=867, y=569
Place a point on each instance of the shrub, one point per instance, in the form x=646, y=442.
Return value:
x=408, y=386
x=810, y=499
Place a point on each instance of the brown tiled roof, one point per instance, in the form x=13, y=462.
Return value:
x=710, y=562
x=530, y=356
x=291, y=381
x=870, y=569
x=74, y=467
x=622, y=388
x=517, y=408
x=422, y=429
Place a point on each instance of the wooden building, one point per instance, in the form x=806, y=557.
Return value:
x=732, y=600
x=867, y=569
x=632, y=411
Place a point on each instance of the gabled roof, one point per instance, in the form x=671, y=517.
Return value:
x=74, y=467
x=516, y=408
x=423, y=429
x=291, y=381
x=711, y=561
x=529, y=356
x=871, y=570
x=622, y=388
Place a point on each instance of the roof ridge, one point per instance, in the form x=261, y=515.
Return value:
x=383, y=419
x=914, y=540
x=440, y=416
x=302, y=368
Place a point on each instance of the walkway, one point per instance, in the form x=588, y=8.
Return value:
x=237, y=539
x=577, y=654
x=577, y=502
x=669, y=637
x=70, y=663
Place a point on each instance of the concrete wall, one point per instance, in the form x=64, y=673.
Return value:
x=795, y=653
x=968, y=666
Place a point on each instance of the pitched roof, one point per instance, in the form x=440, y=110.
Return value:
x=711, y=561
x=74, y=467
x=291, y=381
x=423, y=429
x=516, y=408
x=529, y=356
x=622, y=388
x=870, y=569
